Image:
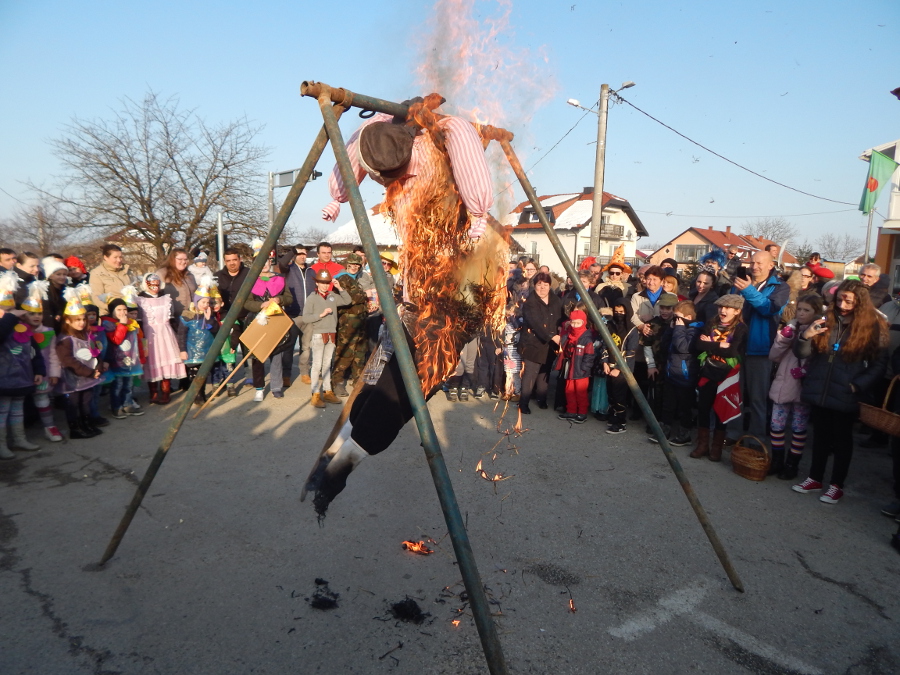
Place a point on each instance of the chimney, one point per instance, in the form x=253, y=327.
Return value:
x=588, y=190
x=728, y=229
x=710, y=227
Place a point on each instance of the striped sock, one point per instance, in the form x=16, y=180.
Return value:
x=777, y=440
x=42, y=403
x=798, y=442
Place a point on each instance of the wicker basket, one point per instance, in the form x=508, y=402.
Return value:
x=749, y=462
x=881, y=418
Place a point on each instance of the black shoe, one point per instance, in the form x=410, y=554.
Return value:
x=680, y=441
x=452, y=394
x=543, y=405
x=89, y=427
x=560, y=408
x=567, y=416
x=98, y=421
x=777, y=464
x=232, y=392
x=340, y=389
x=601, y=416
x=492, y=395
x=479, y=393
x=78, y=430
x=579, y=419
x=615, y=429
x=524, y=409
x=463, y=394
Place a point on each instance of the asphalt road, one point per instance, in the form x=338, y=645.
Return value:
x=218, y=570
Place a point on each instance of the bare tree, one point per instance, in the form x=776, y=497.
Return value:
x=775, y=229
x=157, y=175
x=840, y=247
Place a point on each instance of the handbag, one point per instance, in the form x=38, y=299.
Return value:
x=714, y=370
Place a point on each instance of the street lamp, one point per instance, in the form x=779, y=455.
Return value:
x=600, y=163
x=283, y=179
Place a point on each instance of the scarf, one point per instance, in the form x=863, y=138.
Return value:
x=576, y=333
x=653, y=297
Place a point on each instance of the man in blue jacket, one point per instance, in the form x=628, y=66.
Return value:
x=301, y=282
x=765, y=295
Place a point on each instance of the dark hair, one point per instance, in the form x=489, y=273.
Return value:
x=359, y=249
x=768, y=246
x=321, y=244
x=814, y=300
x=541, y=277
x=708, y=273
x=7, y=251
x=656, y=271
x=231, y=250
x=25, y=255
x=58, y=256
x=299, y=246
x=109, y=248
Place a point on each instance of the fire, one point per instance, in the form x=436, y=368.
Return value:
x=417, y=547
x=497, y=476
x=455, y=622
x=572, y=606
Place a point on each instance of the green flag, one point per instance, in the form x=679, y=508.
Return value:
x=881, y=168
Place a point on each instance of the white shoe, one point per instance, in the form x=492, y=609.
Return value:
x=5, y=452
x=52, y=434
x=259, y=396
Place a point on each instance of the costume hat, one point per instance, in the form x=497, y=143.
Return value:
x=129, y=295
x=389, y=256
x=323, y=275
x=73, y=303
x=205, y=290
x=9, y=283
x=85, y=294
x=618, y=260
x=385, y=149
x=37, y=292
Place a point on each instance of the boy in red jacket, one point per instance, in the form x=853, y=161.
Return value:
x=575, y=363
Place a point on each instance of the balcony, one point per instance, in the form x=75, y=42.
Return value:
x=612, y=231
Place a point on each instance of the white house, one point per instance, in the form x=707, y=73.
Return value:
x=570, y=216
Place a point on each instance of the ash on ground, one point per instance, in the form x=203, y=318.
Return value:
x=324, y=597
x=408, y=610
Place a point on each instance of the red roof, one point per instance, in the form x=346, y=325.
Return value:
x=746, y=244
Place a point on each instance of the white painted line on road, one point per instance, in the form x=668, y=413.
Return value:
x=751, y=644
x=680, y=602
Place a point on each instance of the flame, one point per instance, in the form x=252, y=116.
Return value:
x=497, y=476
x=455, y=622
x=572, y=606
x=417, y=547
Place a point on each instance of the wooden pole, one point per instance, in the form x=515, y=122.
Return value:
x=230, y=375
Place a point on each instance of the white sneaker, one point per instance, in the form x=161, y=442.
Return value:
x=52, y=434
x=259, y=396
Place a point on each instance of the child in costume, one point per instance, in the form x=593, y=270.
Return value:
x=45, y=338
x=681, y=368
x=512, y=362
x=575, y=363
x=81, y=367
x=202, y=326
x=164, y=358
x=99, y=345
x=129, y=295
x=124, y=356
x=625, y=335
x=320, y=316
x=21, y=368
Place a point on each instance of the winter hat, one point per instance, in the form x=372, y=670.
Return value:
x=202, y=258
x=73, y=303
x=115, y=302
x=732, y=300
x=51, y=265
x=73, y=261
x=37, y=292
x=9, y=283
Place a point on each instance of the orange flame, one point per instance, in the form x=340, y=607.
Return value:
x=497, y=476
x=417, y=547
x=572, y=606
x=455, y=622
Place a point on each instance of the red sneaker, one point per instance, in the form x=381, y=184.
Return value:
x=832, y=495
x=809, y=485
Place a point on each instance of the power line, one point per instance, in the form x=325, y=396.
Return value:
x=13, y=197
x=789, y=215
x=713, y=152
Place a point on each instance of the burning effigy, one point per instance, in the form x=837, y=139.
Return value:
x=453, y=266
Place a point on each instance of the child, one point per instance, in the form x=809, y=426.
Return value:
x=129, y=295
x=202, y=327
x=681, y=373
x=46, y=341
x=124, y=356
x=575, y=362
x=655, y=344
x=21, y=367
x=721, y=345
x=512, y=362
x=164, y=360
x=81, y=369
x=99, y=345
x=787, y=388
x=320, y=313
x=625, y=334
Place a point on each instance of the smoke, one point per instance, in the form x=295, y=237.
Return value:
x=475, y=64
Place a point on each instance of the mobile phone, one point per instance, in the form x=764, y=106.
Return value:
x=742, y=273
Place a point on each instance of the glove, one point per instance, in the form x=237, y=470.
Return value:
x=479, y=225
x=332, y=211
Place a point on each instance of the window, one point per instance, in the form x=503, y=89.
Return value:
x=587, y=247
x=533, y=216
x=690, y=253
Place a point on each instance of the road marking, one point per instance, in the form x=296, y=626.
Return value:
x=684, y=602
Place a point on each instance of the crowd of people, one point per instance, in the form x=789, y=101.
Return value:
x=802, y=348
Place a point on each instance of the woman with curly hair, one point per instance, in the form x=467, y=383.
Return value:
x=847, y=352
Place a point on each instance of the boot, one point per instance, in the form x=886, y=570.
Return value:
x=789, y=471
x=19, y=441
x=305, y=379
x=702, y=449
x=329, y=397
x=340, y=389
x=316, y=400
x=154, y=392
x=715, y=448
x=777, y=462
x=77, y=430
x=165, y=392
x=5, y=452
x=87, y=423
x=285, y=382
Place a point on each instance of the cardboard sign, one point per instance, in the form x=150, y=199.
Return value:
x=262, y=340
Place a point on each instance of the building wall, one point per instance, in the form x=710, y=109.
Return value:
x=688, y=238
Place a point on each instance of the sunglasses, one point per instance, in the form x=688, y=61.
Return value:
x=614, y=274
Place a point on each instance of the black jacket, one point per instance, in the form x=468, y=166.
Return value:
x=540, y=322
x=828, y=376
x=229, y=286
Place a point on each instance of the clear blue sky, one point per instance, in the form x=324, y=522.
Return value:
x=795, y=90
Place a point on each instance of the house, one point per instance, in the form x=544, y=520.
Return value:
x=887, y=250
x=695, y=242
x=570, y=216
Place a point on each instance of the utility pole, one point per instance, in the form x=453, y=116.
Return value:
x=599, y=169
x=220, y=242
x=271, y=199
